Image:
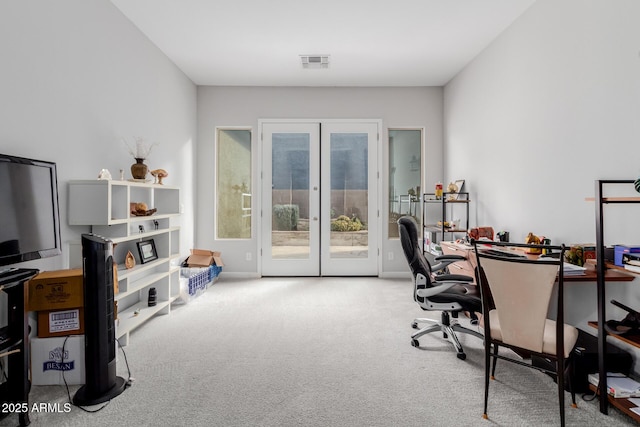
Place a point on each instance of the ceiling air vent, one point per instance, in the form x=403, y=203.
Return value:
x=315, y=61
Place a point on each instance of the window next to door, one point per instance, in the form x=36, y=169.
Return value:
x=233, y=183
x=405, y=165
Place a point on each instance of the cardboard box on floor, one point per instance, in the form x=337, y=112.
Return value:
x=204, y=258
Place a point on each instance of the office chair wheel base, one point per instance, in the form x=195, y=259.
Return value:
x=415, y=343
x=414, y=325
x=461, y=356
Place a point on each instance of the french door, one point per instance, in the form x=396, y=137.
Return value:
x=320, y=198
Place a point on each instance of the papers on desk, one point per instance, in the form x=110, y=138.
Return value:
x=573, y=270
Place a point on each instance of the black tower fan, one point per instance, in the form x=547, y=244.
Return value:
x=101, y=382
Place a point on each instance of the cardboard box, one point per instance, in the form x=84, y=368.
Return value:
x=58, y=323
x=50, y=365
x=204, y=258
x=55, y=290
x=620, y=250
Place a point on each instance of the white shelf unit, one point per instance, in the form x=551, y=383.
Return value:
x=105, y=206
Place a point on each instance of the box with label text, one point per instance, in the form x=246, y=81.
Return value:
x=55, y=290
x=57, y=323
x=56, y=360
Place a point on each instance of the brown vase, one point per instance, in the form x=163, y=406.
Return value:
x=139, y=169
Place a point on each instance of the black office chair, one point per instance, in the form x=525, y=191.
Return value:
x=436, y=290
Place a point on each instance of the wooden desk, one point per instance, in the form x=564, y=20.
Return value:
x=467, y=267
x=612, y=274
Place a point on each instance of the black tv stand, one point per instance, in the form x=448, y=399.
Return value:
x=14, y=342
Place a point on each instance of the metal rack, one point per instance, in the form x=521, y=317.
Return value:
x=447, y=199
x=600, y=202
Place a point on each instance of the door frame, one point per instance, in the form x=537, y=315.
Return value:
x=379, y=178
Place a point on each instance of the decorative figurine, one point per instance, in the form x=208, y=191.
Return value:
x=158, y=174
x=104, y=174
x=129, y=260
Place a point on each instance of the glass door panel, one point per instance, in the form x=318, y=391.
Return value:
x=290, y=196
x=349, y=195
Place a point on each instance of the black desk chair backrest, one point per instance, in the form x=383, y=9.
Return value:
x=418, y=264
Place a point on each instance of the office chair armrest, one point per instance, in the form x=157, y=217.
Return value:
x=455, y=277
x=445, y=260
x=434, y=290
x=452, y=258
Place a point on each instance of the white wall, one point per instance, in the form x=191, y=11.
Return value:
x=76, y=76
x=549, y=107
x=243, y=106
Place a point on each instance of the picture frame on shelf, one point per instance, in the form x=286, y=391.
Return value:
x=147, y=251
x=459, y=183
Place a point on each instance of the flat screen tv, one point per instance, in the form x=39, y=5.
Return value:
x=29, y=215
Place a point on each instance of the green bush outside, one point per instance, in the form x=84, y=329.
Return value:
x=285, y=217
x=344, y=223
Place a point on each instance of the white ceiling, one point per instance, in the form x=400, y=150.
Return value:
x=371, y=42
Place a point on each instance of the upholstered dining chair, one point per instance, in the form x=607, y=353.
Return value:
x=435, y=290
x=516, y=289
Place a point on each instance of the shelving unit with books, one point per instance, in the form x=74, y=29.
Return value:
x=601, y=266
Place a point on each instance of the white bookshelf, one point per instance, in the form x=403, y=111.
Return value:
x=105, y=206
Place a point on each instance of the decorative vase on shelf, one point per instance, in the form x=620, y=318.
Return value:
x=637, y=185
x=139, y=169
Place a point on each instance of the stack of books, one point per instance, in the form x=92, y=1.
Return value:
x=573, y=270
x=618, y=385
x=631, y=262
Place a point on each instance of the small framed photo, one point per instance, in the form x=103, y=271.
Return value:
x=147, y=250
x=459, y=183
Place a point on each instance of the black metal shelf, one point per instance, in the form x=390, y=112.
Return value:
x=600, y=202
x=461, y=198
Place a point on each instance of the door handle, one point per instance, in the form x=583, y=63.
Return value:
x=315, y=218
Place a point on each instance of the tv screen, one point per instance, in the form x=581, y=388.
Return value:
x=29, y=216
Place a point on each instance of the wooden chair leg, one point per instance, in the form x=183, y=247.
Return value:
x=572, y=375
x=495, y=361
x=560, y=381
x=487, y=362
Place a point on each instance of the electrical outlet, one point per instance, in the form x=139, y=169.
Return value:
x=390, y=255
x=248, y=256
